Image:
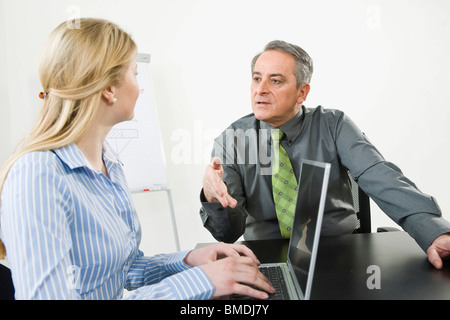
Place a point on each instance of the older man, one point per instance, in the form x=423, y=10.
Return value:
x=237, y=196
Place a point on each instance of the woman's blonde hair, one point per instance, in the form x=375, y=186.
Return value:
x=76, y=65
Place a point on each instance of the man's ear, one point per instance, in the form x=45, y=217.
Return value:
x=303, y=92
x=108, y=94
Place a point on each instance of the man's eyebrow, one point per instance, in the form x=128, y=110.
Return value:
x=277, y=75
x=271, y=75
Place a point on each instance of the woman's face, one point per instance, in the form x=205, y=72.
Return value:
x=126, y=93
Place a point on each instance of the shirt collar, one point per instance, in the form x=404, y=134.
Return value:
x=72, y=156
x=291, y=128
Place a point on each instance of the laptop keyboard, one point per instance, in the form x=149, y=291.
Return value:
x=276, y=278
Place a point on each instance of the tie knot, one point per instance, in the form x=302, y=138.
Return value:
x=277, y=135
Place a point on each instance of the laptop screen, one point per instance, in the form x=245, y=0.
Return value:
x=305, y=233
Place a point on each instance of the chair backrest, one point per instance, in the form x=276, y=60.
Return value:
x=361, y=202
x=6, y=284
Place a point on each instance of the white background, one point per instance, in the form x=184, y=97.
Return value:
x=384, y=63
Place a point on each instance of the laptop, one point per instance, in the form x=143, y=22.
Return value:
x=293, y=279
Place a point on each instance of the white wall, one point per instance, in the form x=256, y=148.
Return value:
x=5, y=132
x=385, y=63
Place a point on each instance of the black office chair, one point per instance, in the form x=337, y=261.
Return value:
x=361, y=202
x=6, y=284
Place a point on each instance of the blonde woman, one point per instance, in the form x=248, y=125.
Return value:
x=68, y=224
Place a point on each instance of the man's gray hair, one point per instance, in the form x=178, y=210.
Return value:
x=304, y=62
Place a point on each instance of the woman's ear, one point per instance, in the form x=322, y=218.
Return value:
x=108, y=95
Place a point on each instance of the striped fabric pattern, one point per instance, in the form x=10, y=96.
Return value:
x=73, y=233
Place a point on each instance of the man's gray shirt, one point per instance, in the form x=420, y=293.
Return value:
x=315, y=134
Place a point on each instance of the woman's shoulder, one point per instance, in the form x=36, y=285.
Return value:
x=46, y=157
x=36, y=161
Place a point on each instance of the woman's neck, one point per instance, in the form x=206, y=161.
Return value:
x=91, y=145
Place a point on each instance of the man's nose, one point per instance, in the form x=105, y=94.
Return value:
x=263, y=87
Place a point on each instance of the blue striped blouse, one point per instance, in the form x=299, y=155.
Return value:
x=73, y=233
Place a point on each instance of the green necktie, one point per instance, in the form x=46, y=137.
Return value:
x=284, y=185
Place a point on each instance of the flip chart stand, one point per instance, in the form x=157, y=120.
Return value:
x=172, y=214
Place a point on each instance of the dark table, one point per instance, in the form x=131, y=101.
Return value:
x=388, y=265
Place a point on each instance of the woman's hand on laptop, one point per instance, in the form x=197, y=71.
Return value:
x=233, y=275
x=216, y=252
x=231, y=268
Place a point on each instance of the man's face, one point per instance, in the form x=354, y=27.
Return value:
x=275, y=96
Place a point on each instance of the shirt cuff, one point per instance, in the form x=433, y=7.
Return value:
x=188, y=283
x=192, y=284
x=181, y=283
x=202, y=196
x=175, y=262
